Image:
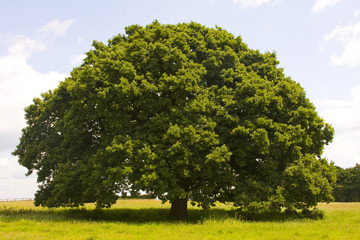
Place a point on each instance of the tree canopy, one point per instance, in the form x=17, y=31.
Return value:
x=184, y=113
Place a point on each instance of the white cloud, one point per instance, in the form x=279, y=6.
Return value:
x=252, y=3
x=57, y=27
x=349, y=38
x=24, y=46
x=345, y=118
x=13, y=182
x=76, y=60
x=19, y=84
x=322, y=4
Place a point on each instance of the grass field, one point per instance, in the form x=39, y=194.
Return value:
x=147, y=219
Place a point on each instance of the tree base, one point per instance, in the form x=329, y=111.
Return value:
x=178, y=209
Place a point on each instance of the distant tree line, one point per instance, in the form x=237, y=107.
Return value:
x=347, y=187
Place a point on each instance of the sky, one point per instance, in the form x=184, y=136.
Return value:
x=316, y=41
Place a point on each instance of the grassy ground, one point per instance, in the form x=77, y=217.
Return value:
x=147, y=219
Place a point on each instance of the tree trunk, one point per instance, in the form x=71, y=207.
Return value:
x=178, y=209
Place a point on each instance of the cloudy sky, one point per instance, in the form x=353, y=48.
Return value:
x=317, y=43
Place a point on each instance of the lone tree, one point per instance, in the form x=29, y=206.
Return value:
x=184, y=113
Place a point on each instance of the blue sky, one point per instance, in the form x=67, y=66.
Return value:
x=317, y=43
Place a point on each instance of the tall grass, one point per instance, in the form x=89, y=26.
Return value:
x=148, y=219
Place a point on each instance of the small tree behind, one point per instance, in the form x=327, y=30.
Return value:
x=347, y=187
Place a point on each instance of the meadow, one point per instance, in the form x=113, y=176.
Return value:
x=148, y=219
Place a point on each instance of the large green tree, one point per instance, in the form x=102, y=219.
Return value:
x=182, y=112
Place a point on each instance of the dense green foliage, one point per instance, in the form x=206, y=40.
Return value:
x=180, y=112
x=347, y=187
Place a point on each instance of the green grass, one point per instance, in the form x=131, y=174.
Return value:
x=147, y=219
